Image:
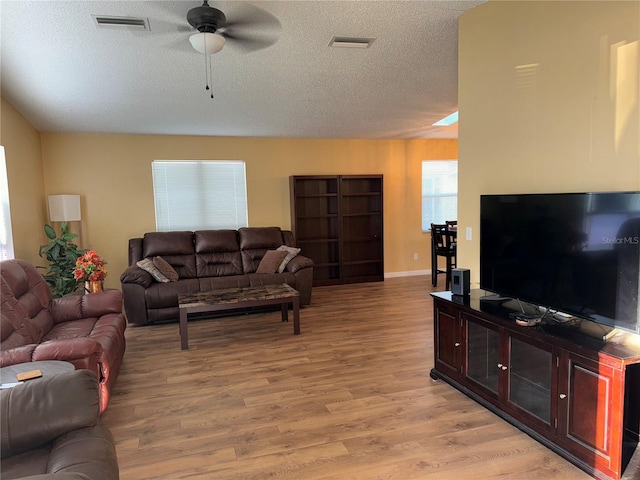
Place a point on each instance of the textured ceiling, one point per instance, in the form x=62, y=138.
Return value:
x=64, y=74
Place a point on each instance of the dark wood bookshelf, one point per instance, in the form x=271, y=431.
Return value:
x=338, y=222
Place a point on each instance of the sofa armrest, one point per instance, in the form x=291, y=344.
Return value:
x=58, y=476
x=14, y=356
x=82, y=352
x=298, y=263
x=134, y=274
x=89, y=451
x=68, y=350
x=37, y=412
x=102, y=303
x=76, y=307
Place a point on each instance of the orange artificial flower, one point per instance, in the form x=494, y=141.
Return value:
x=90, y=268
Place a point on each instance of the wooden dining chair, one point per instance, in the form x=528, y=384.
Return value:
x=443, y=244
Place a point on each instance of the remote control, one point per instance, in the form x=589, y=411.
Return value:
x=28, y=375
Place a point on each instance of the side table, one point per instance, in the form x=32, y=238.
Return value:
x=48, y=368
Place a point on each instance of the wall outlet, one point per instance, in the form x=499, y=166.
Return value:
x=415, y=256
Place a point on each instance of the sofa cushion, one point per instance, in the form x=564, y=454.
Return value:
x=165, y=269
x=175, y=247
x=217, y=253
x=292, y=252
x=254, y=242
x=74, y=329
x=163, y=295
x=9, y=338
x=147, y=265
x=25, y=299
x=260, y=237
x=217, y=283
x=259, y=279
x=271, y=261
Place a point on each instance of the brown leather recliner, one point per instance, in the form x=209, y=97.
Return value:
x=85, y=330
x=50, y=429
x=206, y=260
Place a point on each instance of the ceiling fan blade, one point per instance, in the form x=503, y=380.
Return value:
x=249, y=43
x=250, y=28
x=247, y=16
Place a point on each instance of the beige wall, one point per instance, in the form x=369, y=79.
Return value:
x=548, y=96
x=112, y=173
x=26, y=183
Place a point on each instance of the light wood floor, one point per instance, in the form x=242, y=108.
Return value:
x=350, y=398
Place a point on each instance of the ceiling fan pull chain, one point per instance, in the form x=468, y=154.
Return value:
x=206, y=70
x=206, y=75
x=211, y=75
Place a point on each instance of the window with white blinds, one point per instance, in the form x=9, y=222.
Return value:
x=439, y=192
x=199, y=195
x=6, y=236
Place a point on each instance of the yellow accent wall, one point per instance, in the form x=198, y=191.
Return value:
x=112, y=174
x=26, y=183
x=548, y=96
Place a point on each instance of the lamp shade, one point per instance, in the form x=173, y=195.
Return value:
x=207, y=42
x=64, y=208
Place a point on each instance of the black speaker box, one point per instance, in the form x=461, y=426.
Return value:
x=460, y=281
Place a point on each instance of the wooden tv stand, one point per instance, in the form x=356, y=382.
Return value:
x=577, y=395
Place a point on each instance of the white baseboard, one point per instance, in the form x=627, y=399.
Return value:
x=411, y=273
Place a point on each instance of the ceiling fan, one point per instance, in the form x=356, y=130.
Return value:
x=214, y=30
x=251, y=31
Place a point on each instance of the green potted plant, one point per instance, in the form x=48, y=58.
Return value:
x=62, y=253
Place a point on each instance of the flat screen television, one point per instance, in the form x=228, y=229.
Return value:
x=578, y=253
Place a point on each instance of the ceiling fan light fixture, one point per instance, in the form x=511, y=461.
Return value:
x=207, y=42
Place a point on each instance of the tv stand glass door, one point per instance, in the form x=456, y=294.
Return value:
x=514, y=371
x=483, y=354
x=530, y=369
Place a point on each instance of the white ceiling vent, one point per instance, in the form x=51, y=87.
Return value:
x=135, y=23
x=351, y=42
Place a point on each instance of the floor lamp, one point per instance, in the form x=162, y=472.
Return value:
x=65, y=208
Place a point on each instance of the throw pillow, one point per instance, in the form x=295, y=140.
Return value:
x=291, y=252
x=165, y=268
x=147, y=265
x=271, y=260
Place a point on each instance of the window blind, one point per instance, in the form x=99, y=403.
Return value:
x=199, y=195
x=439, y=192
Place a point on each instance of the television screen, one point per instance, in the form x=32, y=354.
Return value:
x=578, y=253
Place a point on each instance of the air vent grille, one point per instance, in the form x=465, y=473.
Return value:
x=103, y=21
x=351, y=42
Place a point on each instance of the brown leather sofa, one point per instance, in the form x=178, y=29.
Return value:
x=51, y=430
x=206, y=260
x=85, y=330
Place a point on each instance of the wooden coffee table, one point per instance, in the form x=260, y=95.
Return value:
x=237, y=298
